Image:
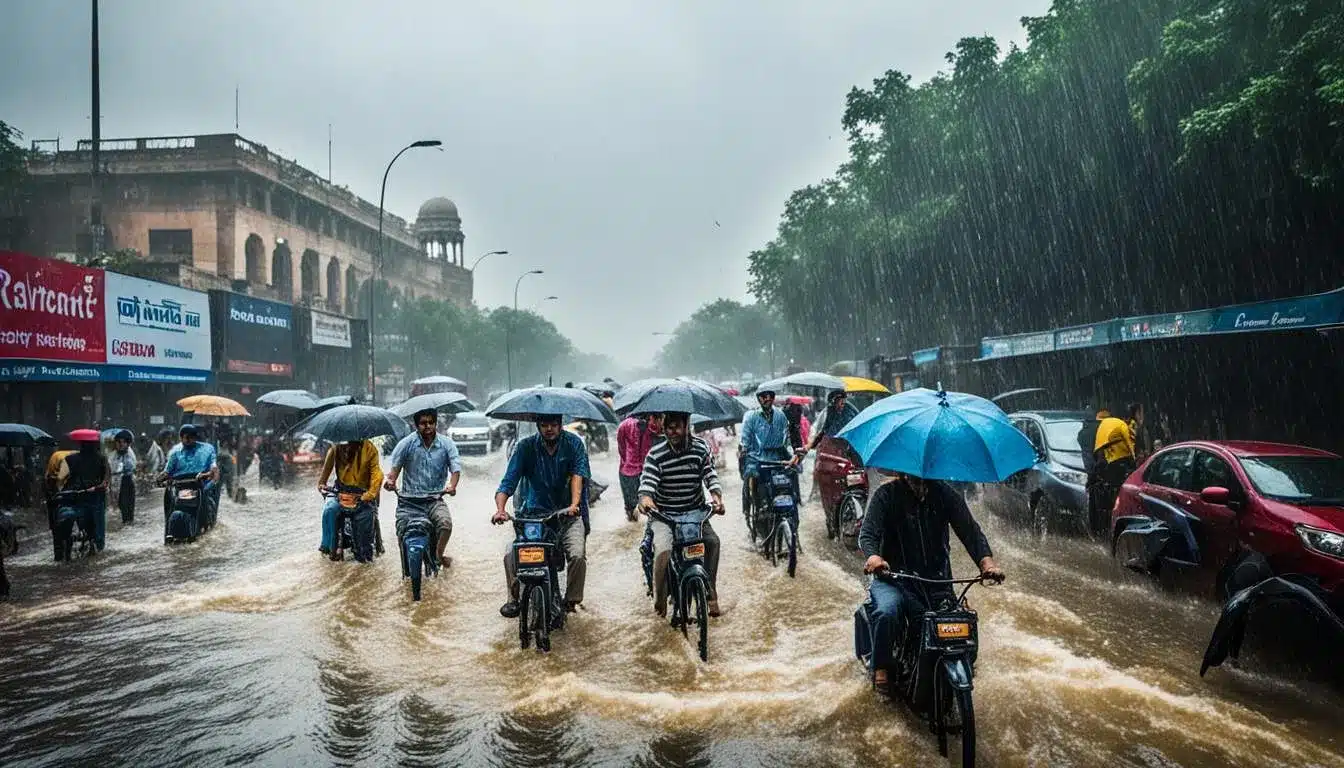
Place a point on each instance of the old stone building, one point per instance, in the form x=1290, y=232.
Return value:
x=220, y=211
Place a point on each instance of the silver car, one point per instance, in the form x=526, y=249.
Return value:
x=471, y=432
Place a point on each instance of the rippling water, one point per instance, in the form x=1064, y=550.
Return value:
x=249, y=647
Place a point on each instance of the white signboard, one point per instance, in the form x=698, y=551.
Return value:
x=330, y=330
x=154, y=325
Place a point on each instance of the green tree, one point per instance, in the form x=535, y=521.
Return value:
x=724, y=338
x=14, y=189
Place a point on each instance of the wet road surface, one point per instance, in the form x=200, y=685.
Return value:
x=250, y=647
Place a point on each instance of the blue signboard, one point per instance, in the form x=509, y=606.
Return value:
x=1167, y=326
x=41, y=370
x=1318, y=311
x=925, y=356
x=1083, y=336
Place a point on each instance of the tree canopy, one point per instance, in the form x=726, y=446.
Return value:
x=725, y=338
x=1135, y=156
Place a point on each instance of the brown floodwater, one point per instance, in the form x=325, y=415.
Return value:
x=248, y=647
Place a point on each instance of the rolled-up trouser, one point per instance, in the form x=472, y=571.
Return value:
x=662, y=553
x=126, y=498
x=630, y=491
x=436, y=511
x=574, y=542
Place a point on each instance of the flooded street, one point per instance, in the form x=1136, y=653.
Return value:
x=249, y=647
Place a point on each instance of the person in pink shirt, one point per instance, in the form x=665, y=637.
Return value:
x=634, y=438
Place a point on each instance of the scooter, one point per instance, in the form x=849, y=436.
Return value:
x=538, y=561
x=71, y=533
x=418, y=541
x=932, y=660
x=687, y=579
x=189, y=516
x=356, y=521
x=777, y=502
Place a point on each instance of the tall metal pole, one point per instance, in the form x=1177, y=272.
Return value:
x=95, y=197
x=482, y=258
x=508, y=329
x=378, y=266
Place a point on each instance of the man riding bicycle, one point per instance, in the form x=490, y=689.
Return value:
x=676, y=473
x=192, y=456
x=905, y=529
x=766, y=436
x=554, y=463
x=428, y=458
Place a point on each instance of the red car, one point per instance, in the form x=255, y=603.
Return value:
x=1250, y=520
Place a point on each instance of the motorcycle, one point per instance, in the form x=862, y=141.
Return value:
x=933, y=660
x=687, y=579
x=418, y=542
x=189, y=516
x=777, y=502
x=272, y=469
x=356, y=522
x=538, y=561
x=72, y=529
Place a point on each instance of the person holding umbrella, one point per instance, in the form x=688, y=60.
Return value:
x=432, y=465
x=84, y=470
x=356, y=465
x=554, y=463
x=676, y=473
x=121, y=463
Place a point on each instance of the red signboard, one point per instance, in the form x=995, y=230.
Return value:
x=51, y=310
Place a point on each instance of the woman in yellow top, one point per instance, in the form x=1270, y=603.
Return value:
x=356, y=465
x=53, y=484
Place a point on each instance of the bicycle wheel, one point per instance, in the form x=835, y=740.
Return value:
x=524, y=630
x=792, y=539
x=964, y=708
x=415, y=559
x=776, y=542
x=538, y=618
x=748, y=513
x=698, y=606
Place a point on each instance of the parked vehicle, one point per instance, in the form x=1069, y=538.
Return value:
x=933, y=660
x=1246, y=521
x=538, y=562
x=842, y=481
x=1052, y=494
x=471, y=432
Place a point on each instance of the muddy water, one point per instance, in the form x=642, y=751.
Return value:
x=249, y=647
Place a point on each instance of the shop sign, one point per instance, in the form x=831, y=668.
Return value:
x=50, y=310
x=330, y=330
x=259, y=336
x=153, y=326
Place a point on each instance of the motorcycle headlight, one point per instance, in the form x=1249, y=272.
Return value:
x=1325, y=542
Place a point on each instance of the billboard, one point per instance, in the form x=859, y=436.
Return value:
x=51, y=311
x=156, y=332
x=330, y=330
x=258, y=336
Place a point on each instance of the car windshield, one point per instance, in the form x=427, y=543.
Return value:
x=471, y=420
x=1298, y=479
x=1062, y=435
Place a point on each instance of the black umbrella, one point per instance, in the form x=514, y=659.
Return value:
x=448, y=402
x=23, y=436
x=570, y=403
x=346, y=423
x=662, y=395
x=293, y=399
x=333, y=401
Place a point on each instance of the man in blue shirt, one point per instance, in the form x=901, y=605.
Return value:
x=427, y=458
x=555, y=465
x=766, y=437
x=192, y=456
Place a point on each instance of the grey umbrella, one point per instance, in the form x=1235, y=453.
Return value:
x=346, y=423
x=804, y=380
x=679, y=396
x=22, y=436
x=448, y=402
x=567, y=402
x=293, y=399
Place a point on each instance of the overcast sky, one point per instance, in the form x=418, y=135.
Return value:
x=598, y=140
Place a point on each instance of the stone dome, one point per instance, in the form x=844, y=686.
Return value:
x=438, y=208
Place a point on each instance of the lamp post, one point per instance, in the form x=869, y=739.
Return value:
x=378, y=265
x=483, y=255
x=508, y=329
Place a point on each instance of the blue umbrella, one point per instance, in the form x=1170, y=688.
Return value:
x=566, y=402
x=22, y=436
x=662, y=395
x=940, y=436
x=346, y=423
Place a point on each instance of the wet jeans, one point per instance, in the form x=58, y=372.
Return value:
x=329, y=510
x=885, y=610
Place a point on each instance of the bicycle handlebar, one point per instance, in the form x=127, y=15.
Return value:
x=900, y=576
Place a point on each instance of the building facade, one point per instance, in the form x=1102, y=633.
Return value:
x=222, y=212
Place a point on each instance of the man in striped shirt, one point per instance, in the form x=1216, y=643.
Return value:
x=677, y=471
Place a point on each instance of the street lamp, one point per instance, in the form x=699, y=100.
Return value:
x=378, y=264
x=483, y=255
x=508, y=329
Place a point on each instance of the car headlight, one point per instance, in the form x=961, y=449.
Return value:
x=1318, y=540
x=1070, y=476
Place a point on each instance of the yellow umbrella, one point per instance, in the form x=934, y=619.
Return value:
x=860, y=384
x=212, y=405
